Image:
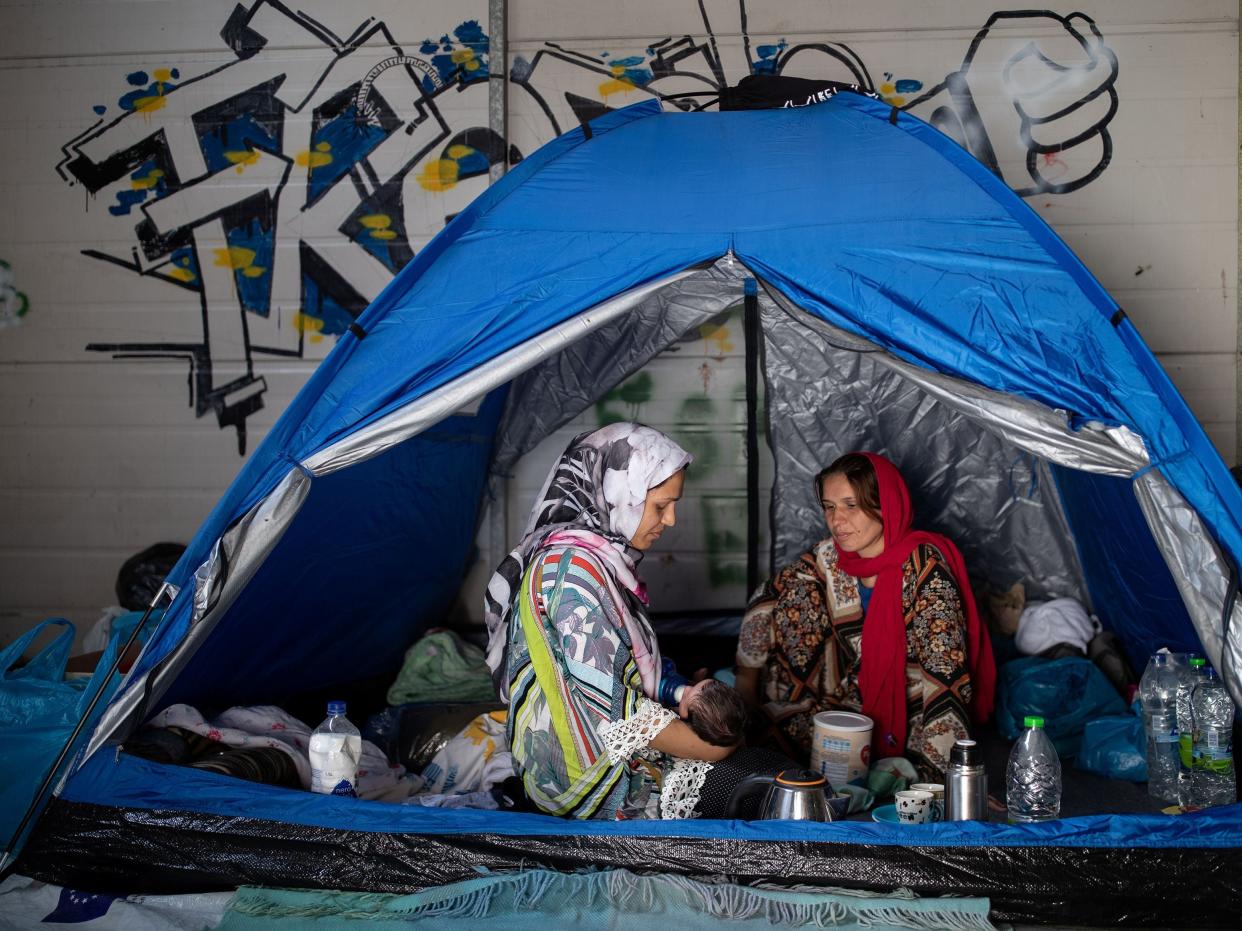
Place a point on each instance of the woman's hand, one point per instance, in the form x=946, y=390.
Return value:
x=677, y=739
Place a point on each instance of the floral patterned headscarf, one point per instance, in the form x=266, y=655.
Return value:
x=593, y=497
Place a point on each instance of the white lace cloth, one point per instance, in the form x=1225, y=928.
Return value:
x=622, y=739
x=683, y=781
x=682, y=784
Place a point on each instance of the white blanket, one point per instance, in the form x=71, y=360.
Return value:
x=269, y=726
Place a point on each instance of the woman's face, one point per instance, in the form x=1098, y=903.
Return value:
x=659, y=511
x=853, y=529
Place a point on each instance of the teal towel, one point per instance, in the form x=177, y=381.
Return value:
x=536, y=900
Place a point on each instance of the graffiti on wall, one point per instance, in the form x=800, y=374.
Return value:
x=285, y=191
x=274, y=187
x=14, y=304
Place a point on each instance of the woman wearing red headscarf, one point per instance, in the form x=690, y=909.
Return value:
x=878, y=618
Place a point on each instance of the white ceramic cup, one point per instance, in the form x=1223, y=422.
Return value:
x=914, y=806
x=937, y=791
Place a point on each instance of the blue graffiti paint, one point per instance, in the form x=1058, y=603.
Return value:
x=240, y=133
x=768, y=55
x=127, y=199
x=137, y=78
x=185, y=258
x=99, y=109
x=472, y=164
x=469, y=35
x=254, y=291
x=632, y=70
x=154, y=89
x=350, y=140
x=336, y=319
x=908, y=86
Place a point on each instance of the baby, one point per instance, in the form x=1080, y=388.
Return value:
x=713, y=710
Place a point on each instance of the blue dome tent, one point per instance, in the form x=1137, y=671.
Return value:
x=886, y=263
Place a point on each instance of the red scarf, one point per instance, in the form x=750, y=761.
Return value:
x=882, y=678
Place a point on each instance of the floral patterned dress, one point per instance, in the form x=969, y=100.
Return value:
x=580, y=725
x=803, y=630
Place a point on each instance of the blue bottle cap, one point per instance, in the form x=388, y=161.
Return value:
x=336, y=707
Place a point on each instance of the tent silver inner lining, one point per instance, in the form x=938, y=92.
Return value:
x=866, y=397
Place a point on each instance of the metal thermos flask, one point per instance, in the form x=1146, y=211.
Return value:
x=966, y=784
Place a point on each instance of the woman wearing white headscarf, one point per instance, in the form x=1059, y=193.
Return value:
x=569, y=643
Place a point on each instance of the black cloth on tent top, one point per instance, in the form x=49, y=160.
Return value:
x=772, y=92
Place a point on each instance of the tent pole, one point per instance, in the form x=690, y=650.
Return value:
x=37, y=802
x=750, y=327
x=498, y=83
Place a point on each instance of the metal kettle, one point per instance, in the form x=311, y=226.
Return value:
x=793, y=794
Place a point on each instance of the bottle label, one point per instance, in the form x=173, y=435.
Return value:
x=1186, y=750
x=345, y=788
x=1216, y=749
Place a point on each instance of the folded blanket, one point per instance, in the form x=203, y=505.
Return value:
x=442, y=667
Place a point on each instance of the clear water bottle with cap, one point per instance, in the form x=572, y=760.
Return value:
x=1158, y=689
x=1033, y=778
x=335, y=749
x=1214, y=781
x=1188, y=676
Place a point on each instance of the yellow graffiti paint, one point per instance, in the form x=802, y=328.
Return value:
x=616, y=86
x=234, y=257
x=320, y=156
x=463, y=56
x=181, y=274
x=439, y=174
x=147, y=181
x=240, y=259
x=459, y=152
x=243, y=158
x=378, y=224
x=711, y=333
x=150, y=104
x=163, y=75
x=308, y=326
x=887, y=88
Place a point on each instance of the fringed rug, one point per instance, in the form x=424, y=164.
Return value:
x=541, y=900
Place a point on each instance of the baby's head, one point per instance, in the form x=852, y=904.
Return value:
x=715, y=712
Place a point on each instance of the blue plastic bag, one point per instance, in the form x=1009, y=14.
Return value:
x=39, y=709
x=1115, y=747
x=1066, y=693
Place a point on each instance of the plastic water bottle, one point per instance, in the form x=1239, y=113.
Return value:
x=335, y=749
x=1188, y=676
x=1158, y=689
x=1213, y=781
x=1033, y=778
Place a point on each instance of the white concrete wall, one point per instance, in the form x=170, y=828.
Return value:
x=123, y=384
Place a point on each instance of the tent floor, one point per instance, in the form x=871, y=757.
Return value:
x=102, y=849
x=106, y=849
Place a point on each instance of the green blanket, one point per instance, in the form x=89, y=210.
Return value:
x=537, y=900
x=442, y=667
